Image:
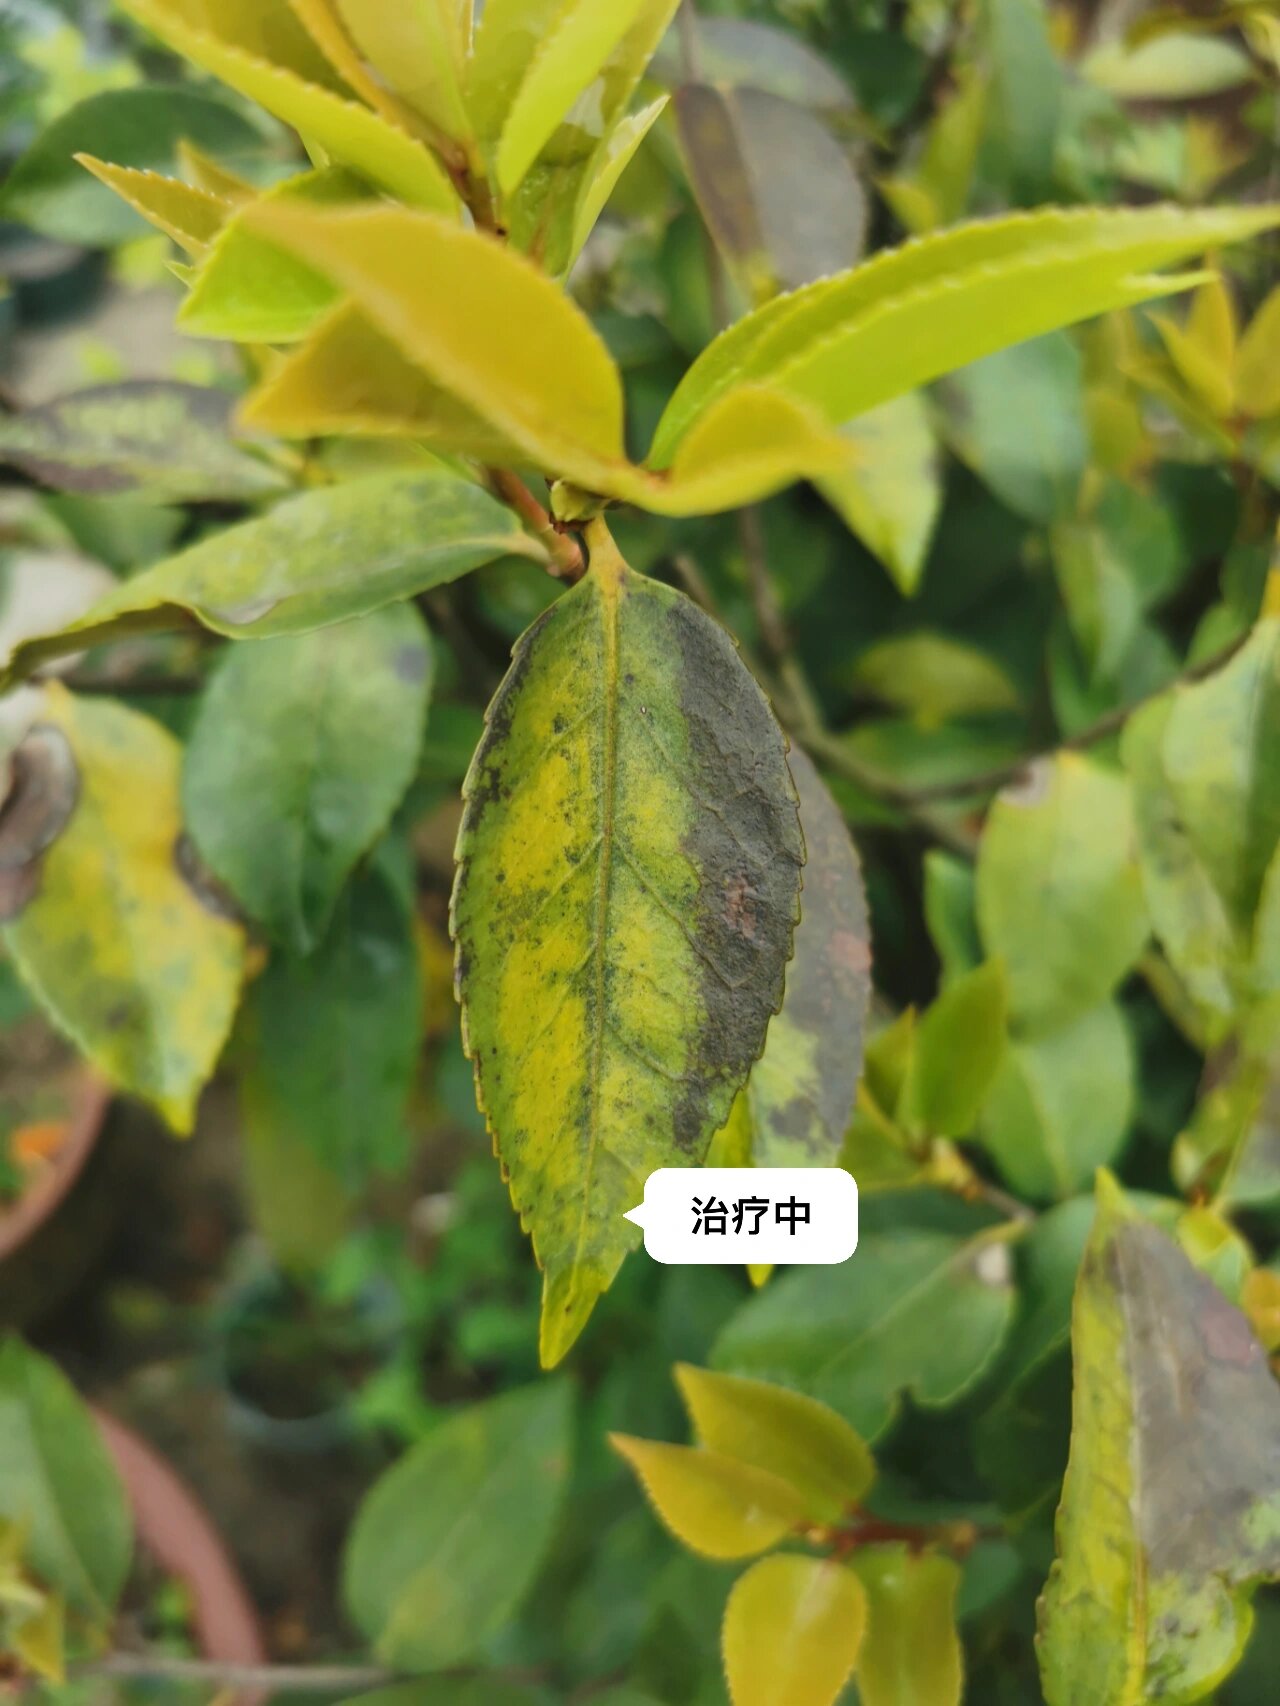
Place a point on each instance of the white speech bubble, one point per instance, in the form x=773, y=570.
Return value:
x=749, y=1214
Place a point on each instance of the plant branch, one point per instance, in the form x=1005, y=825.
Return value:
x=275, y=1679
x=568, y=562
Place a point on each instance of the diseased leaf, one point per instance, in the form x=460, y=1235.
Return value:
x=799, y=1097
x=138, y=128
x=57, y=1479
x=891, y=493
x=124, y=956
x=717, y=1506
x=744, y=53
x=192, y=217
x=301, y=750
x=922, y=1309
x=352, y=134
x=911, y=1654
x=783, y=1432
x=319, y=558
x=449, y=1540
x=849, y=343
x=628, y=883
x=1171, y=1507
x=1059, y=890
x=793, y=1628
x=1062, y=1104
x=154, y=436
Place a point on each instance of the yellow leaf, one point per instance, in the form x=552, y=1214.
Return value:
x=602, y=177
x=352, y=134
x=206, y=173
x=39, y=1642
x=138, y=970
x=192, y=217
x=480, y=320
x=714, y=1505
x=1258, y=363
x=267, y=29
x=912, y=1654
x=794, y=1437
x=420, y=48
x=1203, y=349
x=329, y=32
x=792, y=1630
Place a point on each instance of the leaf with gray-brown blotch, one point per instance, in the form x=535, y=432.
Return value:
x=1170, y=1511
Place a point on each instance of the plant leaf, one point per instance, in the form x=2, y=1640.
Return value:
x=420, y=48
x=783, y=1432
x=923, y=1309
x=319, y=558
x=154, y=436
x=630, y=828
x=138, y=128
x=799, y=1098
x=352, y=134
x=891, y=493
x=192, y=217
x=449, y=1540
x=957, y=1051
x=717, y=1506
x=124, y=956
x=1171, y=1507
x=1257, y=371
x=903, y=318
x=1059, y=889
x=911, y=1654
x=57, y=1478
x=610, y=160
x=301, y=750
x=793, y=1628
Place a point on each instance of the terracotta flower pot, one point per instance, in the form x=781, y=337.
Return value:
x=20, y=1221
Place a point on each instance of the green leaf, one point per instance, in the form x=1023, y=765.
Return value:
x=327, y=1050
x=141, y=128
x=783, y=1432
x=800, y=1095
x=718, y=1506
x=153, y=436
x=139, y=971
x=301, y=750
x=477, y=317
x=57, y=1479
x=911, y=1654
x=319, y=558
x=958, y=1050
x=420, y=49
x=604, y=173
x=934, y=677
x=352, y=134
x=908, y=315
x=1059, y=890
x=1062, y=1105
x=450, y=1539
x=777, y=190
x=1018, y=420
x=922, y=1309
x=891, y=494
x=628, y=884
x=792, y=1631
x=950, y=911
x=1025, y=84
x=1232, y=1146
x=1170, y=1510
x=1179, y=66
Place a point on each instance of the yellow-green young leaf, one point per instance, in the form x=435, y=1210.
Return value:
x=167, y=441
x=959, y=1046
x=1258, y=361
x=419, y=48
x=192, y=217
x=565, y=62
x=201, y=169
x=267, y=29
x=628, y=883
x=799, y=1099
x=350, y=133
x=911, y=1655
x=1170, y=1510
x=1177, y=66
x=322, y=557
x=792, y=1631
x=450, y=1539
x=39, y=1642
x=717, y=1506
x=791, y=1436
x=1203, y=349
x=349, y=378
x=478, y=318
x=891, y=493
x=251, y=290
x=937, y=192
x=610, y=160
x=1059, y=889
x=124, y=955
x=301, y=750
x=328, y=29
x=903, y=318
x=934, y=677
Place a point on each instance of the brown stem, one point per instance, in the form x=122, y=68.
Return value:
x=861, y=1530
x=275, y=1679
x=568, y=562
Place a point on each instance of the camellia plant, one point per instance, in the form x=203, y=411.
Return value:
x=658, y=914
